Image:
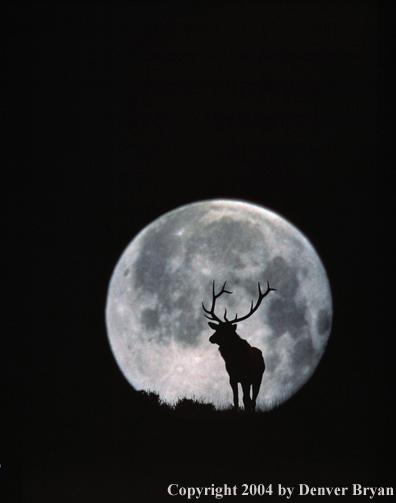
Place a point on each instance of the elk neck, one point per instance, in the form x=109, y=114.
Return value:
x=231, y=344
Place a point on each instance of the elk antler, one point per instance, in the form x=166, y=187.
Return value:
x=253, y=309
x=212, y=316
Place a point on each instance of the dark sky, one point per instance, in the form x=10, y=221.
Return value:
x=118, y=112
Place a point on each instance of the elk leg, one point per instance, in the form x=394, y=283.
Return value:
x=234, y=386
x=246, y=397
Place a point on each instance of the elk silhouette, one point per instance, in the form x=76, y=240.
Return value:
x=244, y=363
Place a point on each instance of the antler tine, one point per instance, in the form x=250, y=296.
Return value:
x=212, y=316
x=260, y=298
x=223, y=290
x=211, y=312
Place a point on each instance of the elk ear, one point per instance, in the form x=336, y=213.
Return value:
x=213, y=325
x=234, y=327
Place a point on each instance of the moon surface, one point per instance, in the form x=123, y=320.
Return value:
x=155, y=321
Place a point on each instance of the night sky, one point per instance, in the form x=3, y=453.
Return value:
x=119, y=112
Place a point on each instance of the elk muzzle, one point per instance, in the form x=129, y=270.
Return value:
x=213, y=339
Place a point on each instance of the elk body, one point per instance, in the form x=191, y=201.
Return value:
x=244, y=363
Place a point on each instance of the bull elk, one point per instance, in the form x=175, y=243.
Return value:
x=244, y=363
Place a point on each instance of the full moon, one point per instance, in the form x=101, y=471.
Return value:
x=155, y=322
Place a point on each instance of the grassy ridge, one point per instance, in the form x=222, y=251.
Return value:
x=192, y=408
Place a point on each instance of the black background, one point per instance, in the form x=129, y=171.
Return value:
x=119, y=112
